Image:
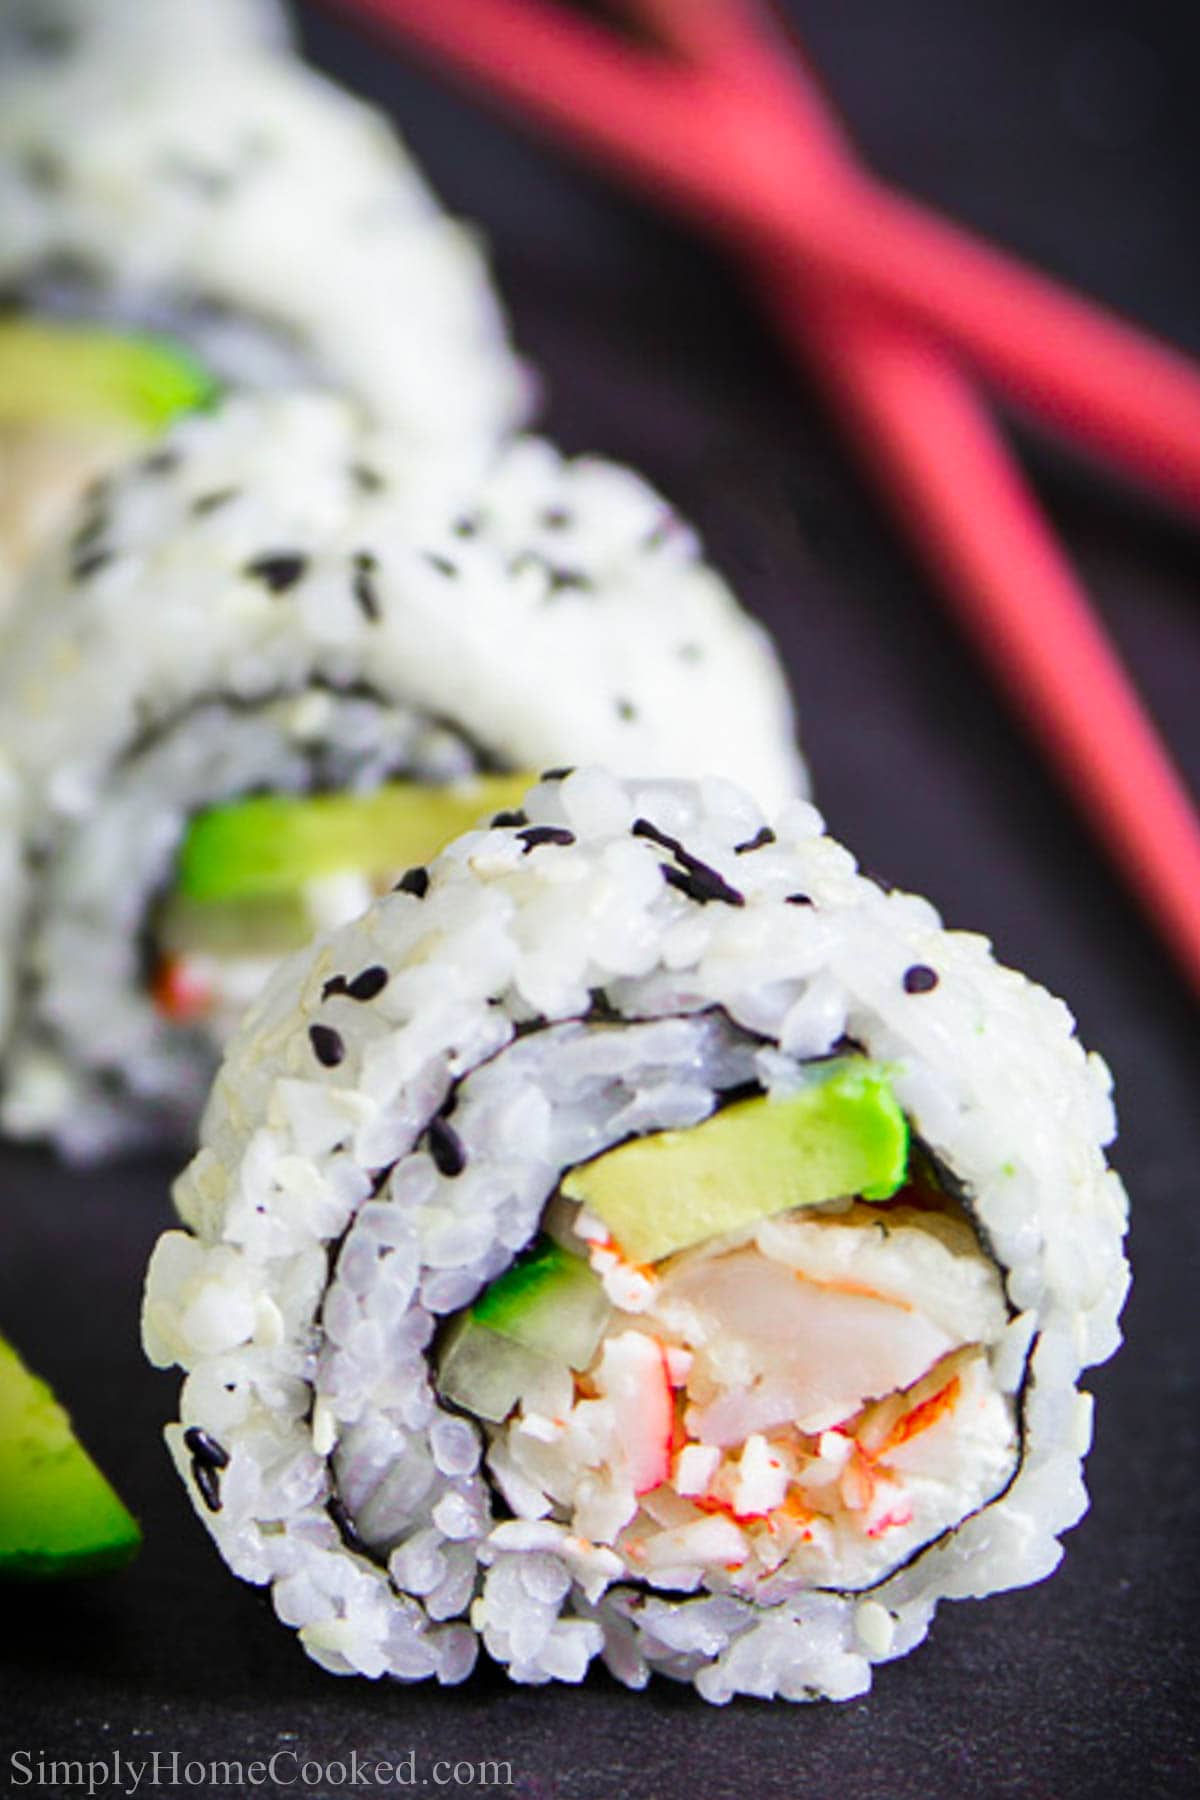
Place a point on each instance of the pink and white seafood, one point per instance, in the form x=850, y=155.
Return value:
x=804, y=1404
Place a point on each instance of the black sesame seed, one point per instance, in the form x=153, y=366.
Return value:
x=442, y=564
x=701, y=884
x=328, y=1047
x=205, y=1448
x=340, y=1514
x=799, y=900
x=510, y=818
x=208, y=1481
x=566, y=580
x=414, y=881
x=646, y=828
x=366, y=594
x=695, y=878
x=42, y=170
x=559, y=578
x=366, y=478
x=365, y=559
x=335, y=985
x=626, y=710
x=85, y=566
x=601, y=1008
x=370, y=982
x=209, y=503
x=758, y=842
x=555, y=774
x=920, y=979
x=545, y=834
x=93, y=527
x=279, y=570
x=446, y=1148
x=160, y=462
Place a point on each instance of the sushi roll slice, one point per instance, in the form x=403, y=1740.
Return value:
x=646, y=1240
x=181, y=207
x=46, y=32
x=279, y=662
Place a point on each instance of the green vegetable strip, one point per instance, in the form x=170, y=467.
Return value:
x=276, y=843
x=58, y=1514
x=76, y=374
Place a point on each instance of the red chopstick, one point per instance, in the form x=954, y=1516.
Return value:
x=957, y=493
x=763, y=131
x=1134, y=401
x=961, y=499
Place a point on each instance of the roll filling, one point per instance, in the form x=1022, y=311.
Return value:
x=804, y=1399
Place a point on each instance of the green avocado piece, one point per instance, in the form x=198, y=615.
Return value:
x=550, y=1302
x=841, y=1134
x=58, y=1514
x=275, y=843
x=60, y=374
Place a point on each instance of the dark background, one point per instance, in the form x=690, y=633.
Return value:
x=1070, y=130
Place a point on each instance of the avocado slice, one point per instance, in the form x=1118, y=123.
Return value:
x=841, y=1134
x=75, y=400
x=58, y=1514
x=548, y=1308
x=275, y=843
x=66, y=375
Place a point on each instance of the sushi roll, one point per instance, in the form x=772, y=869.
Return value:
x=281, y=660
x=45, y=32
x=643, y=1239
x=183, y=208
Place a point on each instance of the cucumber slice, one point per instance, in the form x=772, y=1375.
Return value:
x=842, y=1134
x=549, y=1302
x=275, y=843
x=547, y=1310
x=484, y=1373
x=58, y=1514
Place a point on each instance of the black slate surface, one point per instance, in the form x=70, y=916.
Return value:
x=1070, y=130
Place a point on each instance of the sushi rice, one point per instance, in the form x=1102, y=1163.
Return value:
x=285, y=597
x=44, y=33
x=377, y=1152
x=165, y=170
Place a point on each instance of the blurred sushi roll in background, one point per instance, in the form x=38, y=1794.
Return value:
x=42, y=33
x=282, y=659
x=182, y=208
x=642, y=1237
